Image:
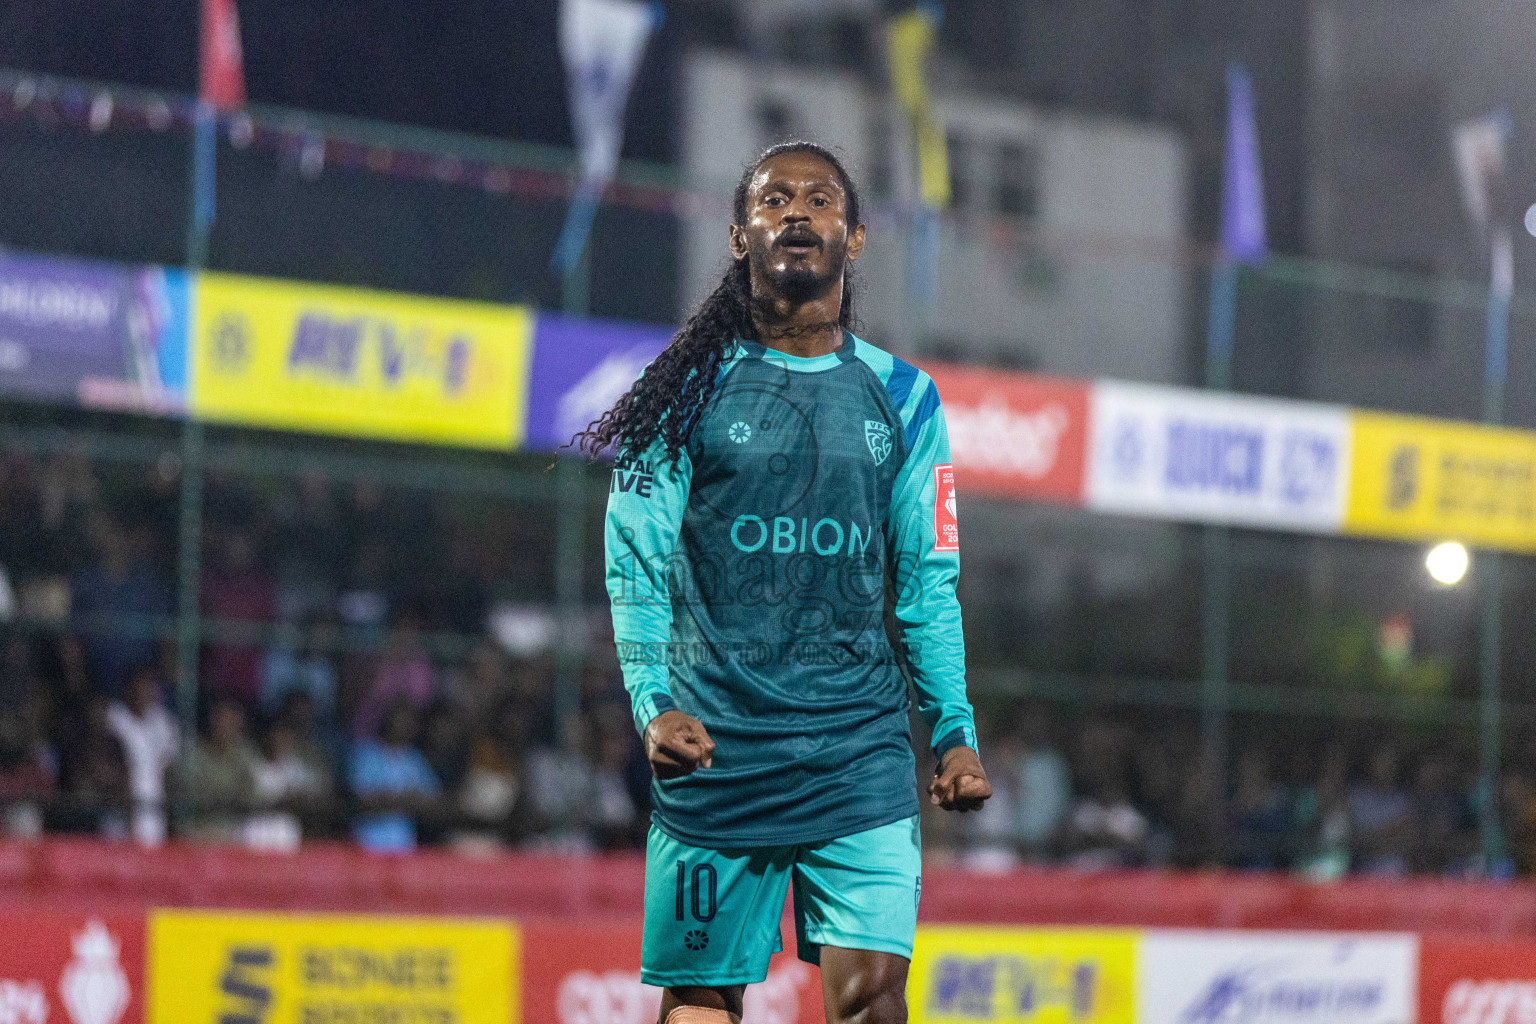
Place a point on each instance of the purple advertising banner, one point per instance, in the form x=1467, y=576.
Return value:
x=580, y=368
x=94, y=334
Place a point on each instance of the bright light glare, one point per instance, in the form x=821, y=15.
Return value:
x=1530, y=218
x=1447, y=562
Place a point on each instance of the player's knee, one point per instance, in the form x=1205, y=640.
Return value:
x=690, y=1005
x=701, y=1015
x=874, y=995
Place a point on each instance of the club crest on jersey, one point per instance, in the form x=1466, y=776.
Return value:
x=879, y=437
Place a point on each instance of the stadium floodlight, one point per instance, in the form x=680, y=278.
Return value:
x=1447, y=563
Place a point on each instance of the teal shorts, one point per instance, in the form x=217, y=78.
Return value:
x=712, y=916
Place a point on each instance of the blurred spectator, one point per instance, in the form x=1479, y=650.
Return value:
x=444, y=745
x=314, y=737
x=617, y=820
x=1105, y=829
x=310, y=545
x=991, y=835
x=1157, y=790
x=1381, y=816
x=27, y=772
x=404, y=674
x=1322, y=819
x=290, y=790
x=118, y=599
x=492, y=801
x=149, y=736
x=95, y=777
x=300, y=660
x=1261, y=815
x=564, y=787
x=1518, y=799
x=238, y=593
x=394, y=785
x=1045, y=789
x=1444, y=825
x=482, y=682
x=220, y=779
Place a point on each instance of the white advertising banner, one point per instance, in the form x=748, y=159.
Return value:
x=1276, y=978
x=1177, y=453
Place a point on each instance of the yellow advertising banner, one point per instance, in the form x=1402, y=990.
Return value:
x=331, y=969
x=976, y=975
x=357, y=362
x=1422, y=479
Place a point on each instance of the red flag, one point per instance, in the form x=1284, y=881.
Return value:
x=223, y=77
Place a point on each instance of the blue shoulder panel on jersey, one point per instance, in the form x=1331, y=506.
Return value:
x=927, y=405
x=903, y=378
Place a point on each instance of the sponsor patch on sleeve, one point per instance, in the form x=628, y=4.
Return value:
x=946, y=528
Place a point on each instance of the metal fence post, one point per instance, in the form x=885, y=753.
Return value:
x=189, y=548
x=570, y=520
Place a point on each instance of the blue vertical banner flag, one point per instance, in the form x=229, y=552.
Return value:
x=1243, y=237
x=601, y=42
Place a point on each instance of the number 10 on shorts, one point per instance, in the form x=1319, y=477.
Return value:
x=699, y=896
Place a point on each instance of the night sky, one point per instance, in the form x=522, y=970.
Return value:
x=490, y=67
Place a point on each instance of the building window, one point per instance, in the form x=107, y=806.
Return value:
x=775, y=120
x=1016, y=192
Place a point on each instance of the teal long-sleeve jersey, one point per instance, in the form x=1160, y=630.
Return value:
x=758, y=582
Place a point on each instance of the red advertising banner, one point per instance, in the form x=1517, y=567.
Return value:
x=72, y=969
x=590, y=974
x=1015, y=435
x=1475, y=982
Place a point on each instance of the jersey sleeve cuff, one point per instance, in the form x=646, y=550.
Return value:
x=648, y=707
x=959, y=736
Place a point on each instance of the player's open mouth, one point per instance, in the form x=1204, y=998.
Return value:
x=801, y=244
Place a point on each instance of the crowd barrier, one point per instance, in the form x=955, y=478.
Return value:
x=103, y=934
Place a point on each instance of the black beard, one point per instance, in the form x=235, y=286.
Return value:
x=800, y=286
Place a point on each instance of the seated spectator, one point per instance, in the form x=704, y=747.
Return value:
x=301, y=661
x=493, y=800
x=1322, y=821
x=1045, y=790
x=238, y=594
x=119, y=589
x=991, y=835
x=1261, y=815
x=1381, y=817
x=95, y=777
x=616, y=820
x=481, y=682
x=564, y=788
x=150, y=737
x=404, y=675
x=1444, y=822
x=316, y=737
x=444, y=745
x=394, y=785
x=289, y=790
x=1517, y=798
x=220, y=779
x=1106, y=830
x=27, y=775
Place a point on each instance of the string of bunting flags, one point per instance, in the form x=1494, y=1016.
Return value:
x=326, y=359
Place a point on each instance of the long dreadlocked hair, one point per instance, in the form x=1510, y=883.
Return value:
x=667, y=399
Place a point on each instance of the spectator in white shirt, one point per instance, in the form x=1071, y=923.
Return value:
x=149, y=737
